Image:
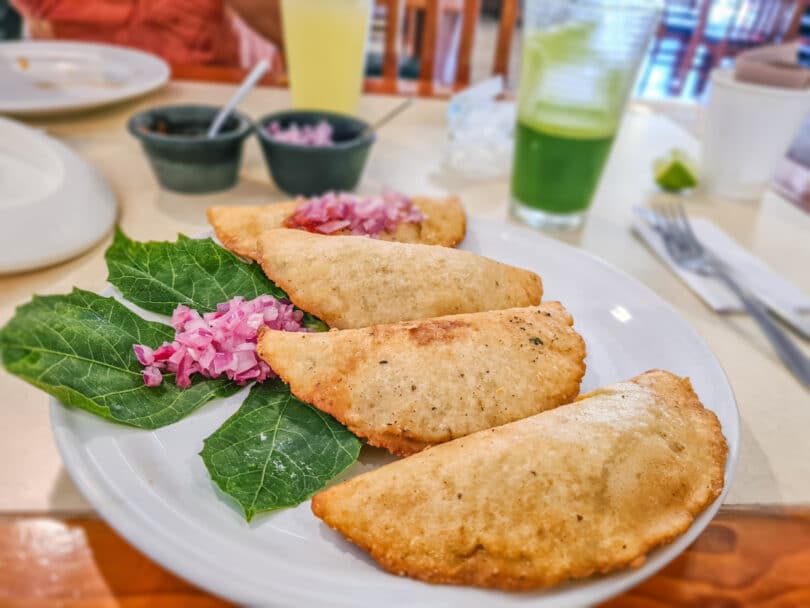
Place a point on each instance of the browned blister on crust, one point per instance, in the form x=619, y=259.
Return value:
x=355, y=281
x=410, y=385
x=239, y=228
x=582, y=489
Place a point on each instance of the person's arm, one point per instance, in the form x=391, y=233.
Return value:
x=101, y=12
x=42, y=17
x=29, y=9
x=264, y=16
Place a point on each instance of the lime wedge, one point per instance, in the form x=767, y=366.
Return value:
x=675, y=171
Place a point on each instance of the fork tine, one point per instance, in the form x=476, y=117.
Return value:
x=675, y=231
x=685, y=235
x=696, y=244
x=656, y=219
x=672, y=214
x=664, y=226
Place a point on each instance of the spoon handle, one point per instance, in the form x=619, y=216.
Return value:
x=396, y=111
x=247, y=84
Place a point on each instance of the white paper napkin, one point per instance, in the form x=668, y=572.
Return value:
x=748, y=269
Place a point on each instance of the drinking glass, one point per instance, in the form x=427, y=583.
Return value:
x=579, y=63
x=325, y=42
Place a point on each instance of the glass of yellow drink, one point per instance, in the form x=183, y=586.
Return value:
x=579, y=62
x=325, y=43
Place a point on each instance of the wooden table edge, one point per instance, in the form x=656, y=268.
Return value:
x=748, y=555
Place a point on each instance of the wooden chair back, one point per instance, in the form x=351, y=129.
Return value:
x=763, y=22
x=795, y=22
x=680, y=18
x=510, y=11
x=390, y=83
x=433, y=11
x=709, y=41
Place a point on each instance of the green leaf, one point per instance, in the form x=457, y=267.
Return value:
x=78, y=348
x=276, y=451
x=158, y=276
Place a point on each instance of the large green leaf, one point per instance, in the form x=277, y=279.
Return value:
x=158, y=276
x=78, y=348
x=276, y=451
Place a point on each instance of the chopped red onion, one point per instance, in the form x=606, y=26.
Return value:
x=319, y=134
x=218, y=343
x=152, y=376
x=369, y=216
x=145, y=355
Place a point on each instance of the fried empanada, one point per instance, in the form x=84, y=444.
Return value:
x=355, y=281
x=578, y=490
x=410, y=385
x=239, y=228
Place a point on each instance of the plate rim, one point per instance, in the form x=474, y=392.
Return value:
x=131, y=92
x=80, y=180
x=123, y=521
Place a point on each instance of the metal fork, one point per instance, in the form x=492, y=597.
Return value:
x=671, y=222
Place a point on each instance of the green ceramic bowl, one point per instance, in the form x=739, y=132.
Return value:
x=312, y=170
x=182, y=157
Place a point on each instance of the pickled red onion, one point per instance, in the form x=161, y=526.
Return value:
x=369, y=216
x=218, y=343
x=319, y=134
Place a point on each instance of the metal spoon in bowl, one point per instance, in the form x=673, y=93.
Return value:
x=396, y=111
x=248, y=83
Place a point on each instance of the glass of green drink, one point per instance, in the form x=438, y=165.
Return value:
x=579, y=62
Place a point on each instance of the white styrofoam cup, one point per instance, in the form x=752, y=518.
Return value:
x=747, y=130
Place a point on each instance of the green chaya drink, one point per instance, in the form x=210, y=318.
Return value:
x=579, y=62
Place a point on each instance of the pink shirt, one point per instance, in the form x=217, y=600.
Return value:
x=183, y=32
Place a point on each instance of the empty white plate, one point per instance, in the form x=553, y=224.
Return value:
x=53, y=204
x=47, y=77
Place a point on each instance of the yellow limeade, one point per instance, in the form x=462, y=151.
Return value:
x=325, y=42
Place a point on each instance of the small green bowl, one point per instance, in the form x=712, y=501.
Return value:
x=312, y=170
x=186, y=160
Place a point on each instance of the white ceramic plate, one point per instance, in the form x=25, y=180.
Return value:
x=45, y=77
x=153, y=487
x=53, y=204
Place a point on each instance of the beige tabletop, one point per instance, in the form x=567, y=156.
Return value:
x=410, y=156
